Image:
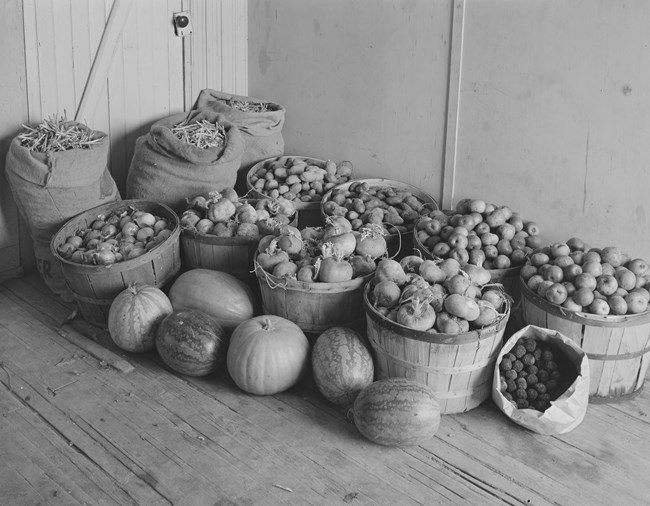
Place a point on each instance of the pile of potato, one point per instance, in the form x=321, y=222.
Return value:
x=224, y=214
x=297, y=178
x=599, y=281
x=436, y=296
x=478, y=233
x=362, y=203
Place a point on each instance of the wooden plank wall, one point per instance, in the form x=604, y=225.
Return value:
x=148, y=73
x=12, y=77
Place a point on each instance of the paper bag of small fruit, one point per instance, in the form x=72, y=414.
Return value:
x=394, y=205
x=297, y=178
x=438, y=296
x=541, y=380
x=479, y=233
x=224, y=214
x=600, y=281
x=333, y=253
x=116, y=237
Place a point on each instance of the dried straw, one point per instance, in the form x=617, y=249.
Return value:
x=58, y=134
x=202, y=134
x=246, y=106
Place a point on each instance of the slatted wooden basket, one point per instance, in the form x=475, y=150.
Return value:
x=95, y=286
x=314, y=307
x=233, y=255
x=458, y=367
x=308, y=212
x=618, y=347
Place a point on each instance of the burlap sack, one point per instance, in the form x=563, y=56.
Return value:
x=167, y=170
x=50, y=188
x=262, y=130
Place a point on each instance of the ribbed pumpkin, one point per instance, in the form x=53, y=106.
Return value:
x=191, y=342
x=267, y=354
x=134, y=316
x=397, y=412
x=217, y=293
x=341, y=364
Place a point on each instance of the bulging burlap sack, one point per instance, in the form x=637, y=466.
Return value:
x=262, y=130
x=167, y=170
x=50, y=188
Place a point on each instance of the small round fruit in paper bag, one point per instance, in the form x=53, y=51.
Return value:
x=541, y=381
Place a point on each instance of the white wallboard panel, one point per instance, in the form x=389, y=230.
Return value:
x=362, y=81
x=553, y=116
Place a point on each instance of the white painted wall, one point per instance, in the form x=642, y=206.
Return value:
x=555, y=115
x=361, y=80
x=552, y=104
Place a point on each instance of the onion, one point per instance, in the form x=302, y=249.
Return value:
x=144, y=234
x=75, y=240
x=163, y=235
x=145, y=220
x=97, y=224
x=105, y=257
x=108, y=230
x=130, y=228
x=160, y=225
x=66, y=249
x=135, y=252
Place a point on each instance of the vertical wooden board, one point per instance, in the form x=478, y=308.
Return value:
x=84, y=46
x=627, y=372
x=240, y=47
x=603, y=341
x=568, y=328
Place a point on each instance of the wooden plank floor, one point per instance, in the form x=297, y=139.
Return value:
x=84, y=423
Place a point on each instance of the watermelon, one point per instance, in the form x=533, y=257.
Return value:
x=191, y=342
x=341, y=365
x=397, y=412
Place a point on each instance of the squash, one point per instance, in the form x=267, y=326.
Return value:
x=134, y=316
x=230, y=300
x=397, y=412
x=267, y=354
x=341, y=365
x=191, y=342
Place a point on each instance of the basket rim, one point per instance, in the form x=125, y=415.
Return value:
x=379, y=180
x=313, y=287
x=120, y=205
x=259, y=195
x=580, y=316
x=471, y=336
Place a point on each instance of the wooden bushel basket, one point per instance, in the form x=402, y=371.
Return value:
x=399, y=245
x=458, y=367
x=618, y=347
x=94, y=287
x=234, y=255
x=308, y=212
x=314, y=307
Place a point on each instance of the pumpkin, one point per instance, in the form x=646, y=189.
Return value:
x=397, y=412
x=267, y=355
x=341, y=365
x=191, y=342
x=228, y=299
x=134, y=316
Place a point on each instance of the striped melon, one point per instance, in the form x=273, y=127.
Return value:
x=134, y=316
x=341, y=364
x=191, y=342
x=397, y=412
